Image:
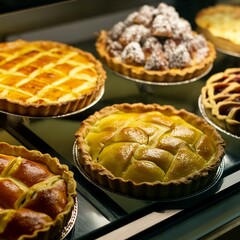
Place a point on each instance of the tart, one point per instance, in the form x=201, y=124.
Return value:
x=44, y=78
x=37, y=194
x=156, y=45
x=221, y=100
x=148, y=151
x=220, y=24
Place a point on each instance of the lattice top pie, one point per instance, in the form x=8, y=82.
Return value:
x=221, y=25
x=37, y=194
x=149, y=151
x=155, y=44
x=43, y=78
x=221, y=99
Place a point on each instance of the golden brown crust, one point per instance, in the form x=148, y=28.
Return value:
x=47, y=78
x=138, y=72
x=220, y=99
x=220, y=25
x=167, y=187
x=46, y=199
x=155, y=44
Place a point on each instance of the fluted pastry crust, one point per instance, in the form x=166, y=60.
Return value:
x=221, y=99
x=149, y=151
x=155, y=44
x=44, y=78
x=220, y=25
x=37, y=194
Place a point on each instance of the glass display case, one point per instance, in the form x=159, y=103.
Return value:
x=212, y=213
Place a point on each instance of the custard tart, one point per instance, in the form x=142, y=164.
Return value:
x=220, y=24
x=44, y=78
x=148, y=151
x=221, y=100
x=155, y=44
x=37, y=194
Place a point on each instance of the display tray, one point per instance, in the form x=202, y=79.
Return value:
x=204, y=114
x=228, y=52
x=101, y=211
x=232, y=140
x=186, y=81
x=196, y=194
x=62, y=115
x=70, y=224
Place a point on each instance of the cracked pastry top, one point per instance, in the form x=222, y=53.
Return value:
x=37, y=194
x=221, y=25
x=155, y=44
x=221, y=99
x=44, y=78
x=149, y=151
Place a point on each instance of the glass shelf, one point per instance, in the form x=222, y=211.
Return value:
x=99, y=210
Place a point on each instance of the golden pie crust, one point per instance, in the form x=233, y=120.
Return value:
x=220, y=25
x=45, y=78
x=138, y=47
x=149, y=151
x=221, y=99
x=37, y=194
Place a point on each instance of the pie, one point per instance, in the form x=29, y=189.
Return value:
x=220, y=24
x=148, y=151
x=156, y=45
x=44, y=78
x=221, y=99
x=37, y=194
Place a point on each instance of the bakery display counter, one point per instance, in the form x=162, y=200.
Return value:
x=100, y=211
x=105, y=214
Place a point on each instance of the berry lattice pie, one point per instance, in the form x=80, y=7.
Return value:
x=221, y=99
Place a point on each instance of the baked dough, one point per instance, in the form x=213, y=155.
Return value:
x=221, y=99
x=44, y=78
x=221, y=25
x=155, y=44
x=149, y=151
x=37, y=194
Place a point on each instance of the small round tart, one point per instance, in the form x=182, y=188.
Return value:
x=221, y=100
x=220, y=25
x=37, y=194
x=156, y=45
x=149, y=151
x=44, y=78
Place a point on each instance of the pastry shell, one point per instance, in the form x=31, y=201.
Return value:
x=216, y=24
x=52, y=66
x=156, y=189
x=52, y=229
x=138, y=72
x=220, y=99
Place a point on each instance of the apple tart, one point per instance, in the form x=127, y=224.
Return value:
x=148, y=151
x=221, y=100
x=44, y=78
x=37, y=194
x=220, y=25
x=157, y=45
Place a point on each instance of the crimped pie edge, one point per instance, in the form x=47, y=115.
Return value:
x=219, y=42
x=54, y=109
x=223, y=122
x=53, y=229
x=175, y=188
x=171, y=75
